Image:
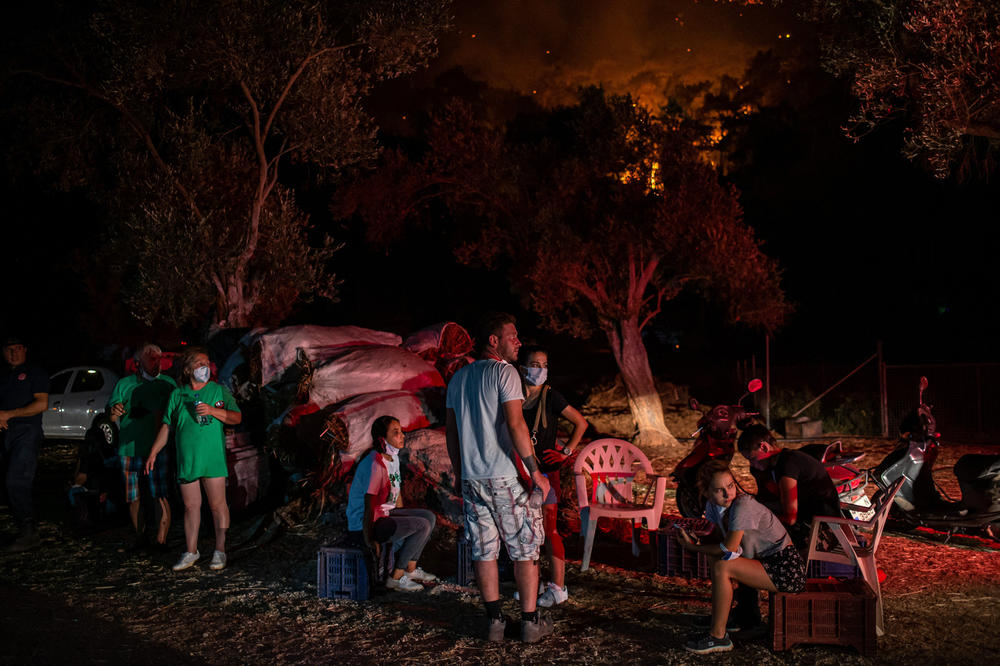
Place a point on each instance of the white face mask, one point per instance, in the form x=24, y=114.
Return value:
x=391, y=450
x=535, y=376
x=202, y=374
x=148, y=377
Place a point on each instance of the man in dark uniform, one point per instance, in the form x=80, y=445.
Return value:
x=24, y=395
x=792, y=484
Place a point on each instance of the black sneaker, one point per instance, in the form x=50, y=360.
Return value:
x=709, y=643
x=753, y=631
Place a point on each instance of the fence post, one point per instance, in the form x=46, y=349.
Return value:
x=979, y=399
x=767, y=380
x=883, y=393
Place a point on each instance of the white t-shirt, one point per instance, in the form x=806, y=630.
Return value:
x=392, y=467
x=477, y=393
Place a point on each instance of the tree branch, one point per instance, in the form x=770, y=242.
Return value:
x=133, y=122
x=295, y=77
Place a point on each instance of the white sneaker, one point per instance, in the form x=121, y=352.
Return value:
x=419, y=574
x=553, y=595
x=404, y=584
x=218, y=561
x=187, y=560
x=541, y=590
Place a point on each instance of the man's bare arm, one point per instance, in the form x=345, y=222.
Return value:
x=789, y=488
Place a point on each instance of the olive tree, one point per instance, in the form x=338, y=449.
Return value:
x=185, y=116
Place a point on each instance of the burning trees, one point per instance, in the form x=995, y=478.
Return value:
x=601, y=212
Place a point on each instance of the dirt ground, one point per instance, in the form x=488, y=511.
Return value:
x=88, y=599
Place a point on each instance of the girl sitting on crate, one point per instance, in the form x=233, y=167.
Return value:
x=375, y=508
x=751, y=546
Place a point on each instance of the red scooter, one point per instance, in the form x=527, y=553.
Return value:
x=715, y=438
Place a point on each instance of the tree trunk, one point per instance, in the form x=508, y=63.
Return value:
x=235, y=306
x=643, y=400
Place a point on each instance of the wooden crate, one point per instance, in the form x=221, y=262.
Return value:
x=826, y=612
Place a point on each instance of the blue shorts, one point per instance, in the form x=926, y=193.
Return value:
x=498, y=509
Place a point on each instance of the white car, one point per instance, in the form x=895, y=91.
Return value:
x=76, y=396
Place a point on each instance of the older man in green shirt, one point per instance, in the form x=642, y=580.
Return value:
x=137, y=405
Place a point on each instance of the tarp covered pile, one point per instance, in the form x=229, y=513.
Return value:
x=320, y=388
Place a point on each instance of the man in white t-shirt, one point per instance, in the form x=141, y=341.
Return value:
x=486, y=434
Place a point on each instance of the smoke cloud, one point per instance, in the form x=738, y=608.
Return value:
x=552, y=47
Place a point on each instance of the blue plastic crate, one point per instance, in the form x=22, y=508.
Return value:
x=342, y=573
x=823, y=569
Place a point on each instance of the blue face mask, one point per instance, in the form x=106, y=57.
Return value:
x=535, y=376
x=202, y=374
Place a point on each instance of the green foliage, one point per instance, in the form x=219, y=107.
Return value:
x=853, y=413
x=932, y=64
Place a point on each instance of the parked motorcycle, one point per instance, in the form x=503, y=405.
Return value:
x=920, y=502
x=715, y=438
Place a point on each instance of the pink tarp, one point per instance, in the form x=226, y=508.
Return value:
x=370, y=369
x=442, y=339
x=359, y=413
x=447, y=345
x=278, y=347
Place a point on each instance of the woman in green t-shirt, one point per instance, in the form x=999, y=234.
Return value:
x=196, y=412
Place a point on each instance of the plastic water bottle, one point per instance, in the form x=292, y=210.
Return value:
x=536, y=499
x=202, y=420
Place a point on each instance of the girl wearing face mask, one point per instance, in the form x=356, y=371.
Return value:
x=375, y=508
x=543, y=406
x=196, y=413
x=750, y=547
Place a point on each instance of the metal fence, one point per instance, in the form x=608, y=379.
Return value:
x=965, y=396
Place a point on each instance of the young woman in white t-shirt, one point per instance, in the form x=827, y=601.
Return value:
x=375, y=507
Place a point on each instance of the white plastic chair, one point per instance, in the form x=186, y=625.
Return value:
x=856, y=544
x=611, y=465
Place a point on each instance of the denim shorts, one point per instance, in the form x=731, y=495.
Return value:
x=498, y=509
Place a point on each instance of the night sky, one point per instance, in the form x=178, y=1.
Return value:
x=872, y=246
